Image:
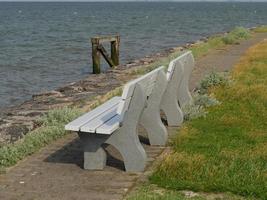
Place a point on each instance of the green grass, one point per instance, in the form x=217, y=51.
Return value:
x=152, y=192
x=234, y=37
x=225, y=151
x=260, y=29
x=51, y=129
x=204, y=47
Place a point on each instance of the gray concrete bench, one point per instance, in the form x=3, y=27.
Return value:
x=115, y=123
x=177, y=92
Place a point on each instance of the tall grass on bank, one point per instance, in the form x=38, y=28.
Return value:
x=52, y=128
x=260, y=29
x=234, y=37
x=225, y=151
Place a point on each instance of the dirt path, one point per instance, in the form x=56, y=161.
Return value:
x=55, y=172
x=222, y=59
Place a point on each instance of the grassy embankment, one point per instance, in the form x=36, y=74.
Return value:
x=224, y=151
x=54, y=127
x=260, y=29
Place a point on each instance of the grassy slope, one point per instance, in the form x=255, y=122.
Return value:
x=52, y=128
x=227, y=149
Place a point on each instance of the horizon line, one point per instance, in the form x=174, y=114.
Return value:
x=103, y=1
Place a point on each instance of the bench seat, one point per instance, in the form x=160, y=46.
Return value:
x=102, y=120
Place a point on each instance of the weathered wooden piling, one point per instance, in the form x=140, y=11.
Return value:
x=95, y=56
x=98, y=48
x=115, y=54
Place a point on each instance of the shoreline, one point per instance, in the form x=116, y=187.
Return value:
x=16, y=121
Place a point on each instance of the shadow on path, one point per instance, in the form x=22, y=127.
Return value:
x=72, y=153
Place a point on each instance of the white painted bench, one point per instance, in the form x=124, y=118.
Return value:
x=115, y=122
x=177, y=92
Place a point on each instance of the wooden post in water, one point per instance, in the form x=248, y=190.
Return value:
x=115, y=50
x=98, y=48
x=95, y=56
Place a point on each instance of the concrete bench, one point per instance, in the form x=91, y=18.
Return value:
x=115, y=123
x=177, y=92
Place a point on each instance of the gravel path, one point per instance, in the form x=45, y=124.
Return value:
x=55, y=171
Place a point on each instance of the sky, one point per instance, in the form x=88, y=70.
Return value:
x=116, y=0
x=137, y=0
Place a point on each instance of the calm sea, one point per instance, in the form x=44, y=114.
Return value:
x=45, y=45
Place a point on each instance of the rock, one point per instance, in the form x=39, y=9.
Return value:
x=14, y=132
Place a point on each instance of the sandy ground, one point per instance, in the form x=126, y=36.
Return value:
x=55, y=172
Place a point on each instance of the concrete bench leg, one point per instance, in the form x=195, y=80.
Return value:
x=130, y=148
x=150, y=119
x=125, y=139
x=94, y=155
x=184, y=96
x=169, y=103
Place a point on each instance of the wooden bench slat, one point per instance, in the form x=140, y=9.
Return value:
x=77, y=123
x=110, y=126
x=91, y=126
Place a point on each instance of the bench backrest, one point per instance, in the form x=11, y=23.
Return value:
x=184, y=96
x=147, y=82
x=184, y=60
x=188, y=62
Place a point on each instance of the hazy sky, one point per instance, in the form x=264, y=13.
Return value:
x=140, y=0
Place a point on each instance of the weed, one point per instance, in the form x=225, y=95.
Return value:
x=236, y=35
x=212, y=80
x=52, y=128
x=260, y=29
